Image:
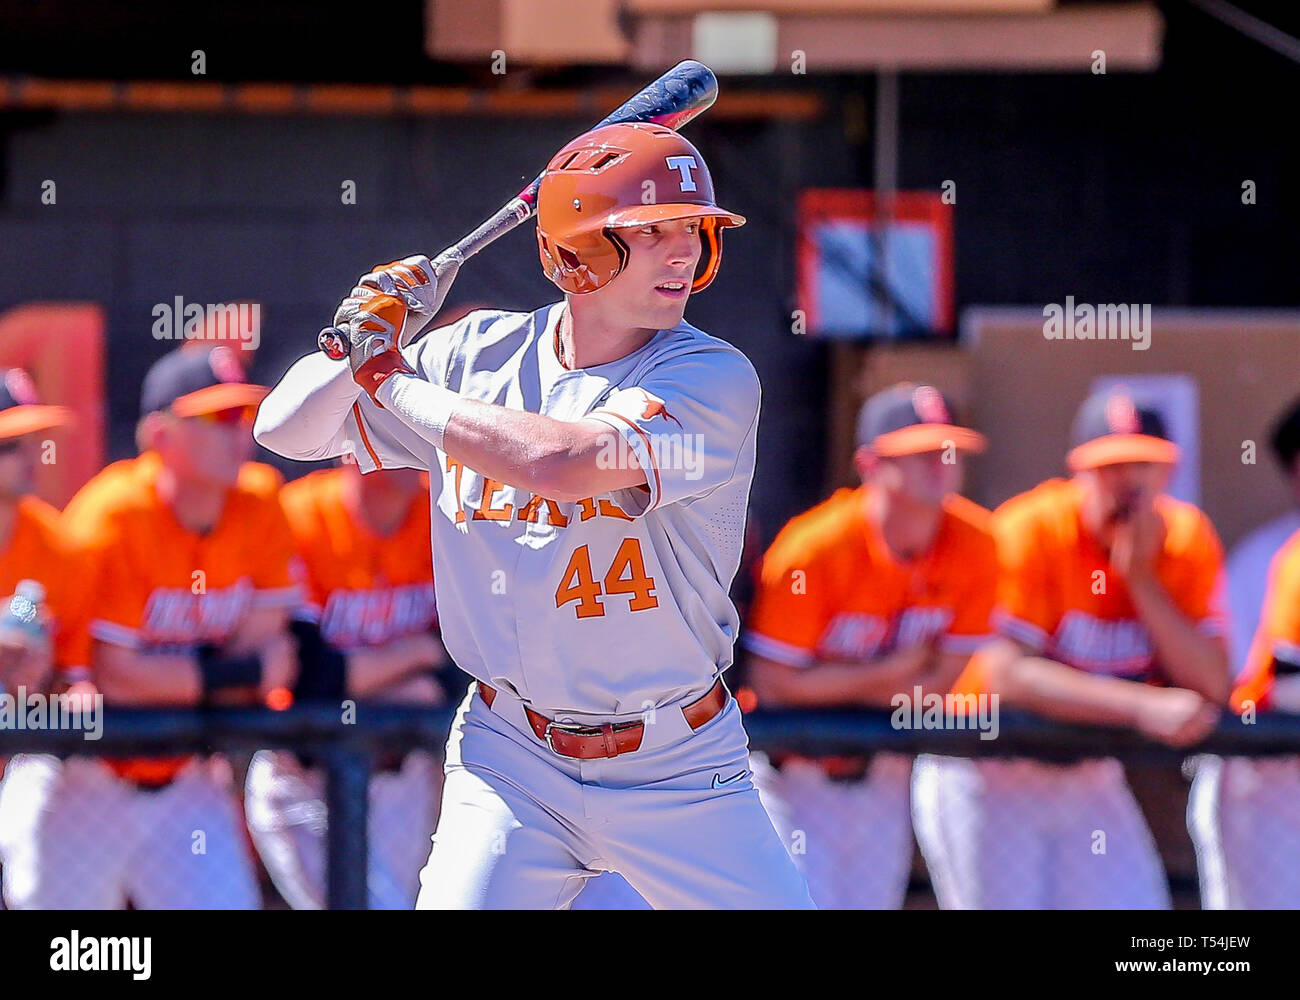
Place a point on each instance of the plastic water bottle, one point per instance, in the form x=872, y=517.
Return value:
x=22, y=622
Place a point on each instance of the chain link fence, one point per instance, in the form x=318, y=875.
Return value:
x=254, y=808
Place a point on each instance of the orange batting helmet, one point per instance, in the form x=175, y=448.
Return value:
x=618, y=176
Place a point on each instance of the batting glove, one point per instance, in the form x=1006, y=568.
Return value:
x=419, y=282
x=367, y=329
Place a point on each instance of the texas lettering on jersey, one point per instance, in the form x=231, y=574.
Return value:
x=498, y=502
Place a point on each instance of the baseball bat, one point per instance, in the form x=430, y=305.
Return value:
x=674, y=99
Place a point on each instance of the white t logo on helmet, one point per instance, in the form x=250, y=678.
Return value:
x=683, y=165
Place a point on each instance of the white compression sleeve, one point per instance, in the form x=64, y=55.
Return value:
x=302, y=417
x=422, y=406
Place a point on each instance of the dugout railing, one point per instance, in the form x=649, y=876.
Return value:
x=346, y=750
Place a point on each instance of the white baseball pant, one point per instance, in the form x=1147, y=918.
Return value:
x=851, y=839
x=1021, y=834
x=287, y=818
x=1244, y=817
x=609, y=891
x=680, y=819
x=75, y=836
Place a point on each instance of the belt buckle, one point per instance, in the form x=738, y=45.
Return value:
x=566, y=726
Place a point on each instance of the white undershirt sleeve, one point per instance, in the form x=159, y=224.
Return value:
x=302, y=417
x=422, y=406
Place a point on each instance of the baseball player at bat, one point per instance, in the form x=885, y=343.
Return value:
x=590, y=464
x=879, y=591
x=1109, y=611
x=1244, y=812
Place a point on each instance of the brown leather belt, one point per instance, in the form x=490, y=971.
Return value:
x=609, y=740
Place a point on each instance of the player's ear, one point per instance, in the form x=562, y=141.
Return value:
x=149, y=432
x=865, y=461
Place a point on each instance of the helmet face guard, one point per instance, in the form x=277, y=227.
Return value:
x=614, y=178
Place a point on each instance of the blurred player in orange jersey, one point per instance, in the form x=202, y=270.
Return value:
x=1244, y=812
x=183, y=563
x=1109, y=612
x=878, y=592
x=369, y=632
x=31, y=547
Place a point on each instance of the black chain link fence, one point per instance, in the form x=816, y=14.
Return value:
x=273, y=809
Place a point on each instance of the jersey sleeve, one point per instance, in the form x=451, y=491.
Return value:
x=1024, y=608
x=973, y=605
x=691, y=423
x=378, y=440
x=1276, y=647
x=789, y=613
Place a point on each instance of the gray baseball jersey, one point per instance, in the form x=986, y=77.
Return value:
x=608, y=606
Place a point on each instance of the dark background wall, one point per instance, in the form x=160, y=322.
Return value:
x=1110, y=188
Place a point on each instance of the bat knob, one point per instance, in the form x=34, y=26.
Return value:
x=334, y=342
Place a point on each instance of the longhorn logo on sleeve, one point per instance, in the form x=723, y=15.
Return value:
x=655, y=407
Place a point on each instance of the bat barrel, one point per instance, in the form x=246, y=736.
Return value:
x=674, y=99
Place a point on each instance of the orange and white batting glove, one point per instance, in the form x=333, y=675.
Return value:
x=419, y=282
x=373, y=322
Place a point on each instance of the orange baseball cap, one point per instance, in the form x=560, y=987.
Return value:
x=1111, y=429
x=192, y=382
x=21, y=412
x=907, y=419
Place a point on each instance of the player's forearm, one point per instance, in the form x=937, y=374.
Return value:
x=557, y=459
x=1188, y=659
x=302, y=417
x=1061, y=692
x=827, y=683
x=374, y=668
x=128, y=677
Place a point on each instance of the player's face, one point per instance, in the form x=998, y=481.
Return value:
x=1111, y=493
x=924, y=479
x=208, y=449
x=17, y=466
x=651, y=290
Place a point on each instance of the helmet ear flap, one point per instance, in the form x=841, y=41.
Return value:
x=711, y=255
x=620, y=248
